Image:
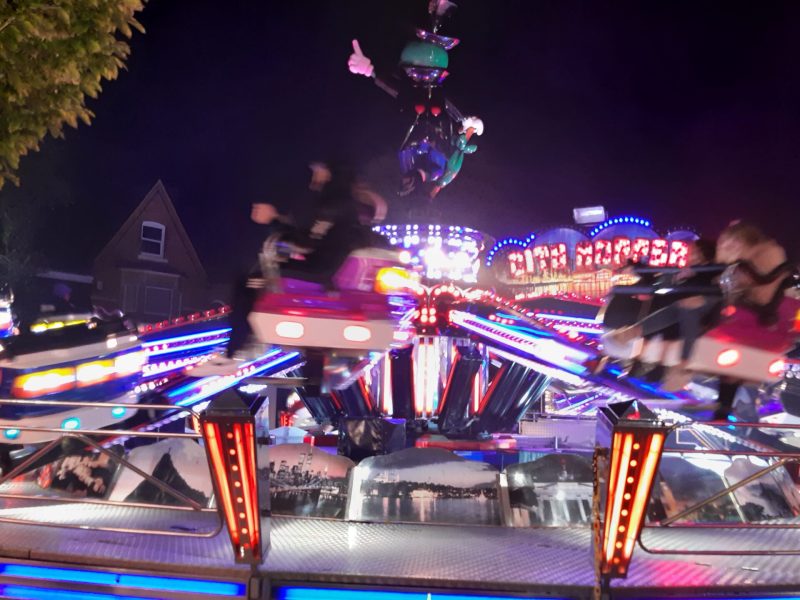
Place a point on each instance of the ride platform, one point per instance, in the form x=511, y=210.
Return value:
x=438, y=559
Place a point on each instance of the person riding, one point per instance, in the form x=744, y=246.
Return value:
x=688, y=313
x=698, y=278
x=758, y=267
x=343, y=212
x=754, y=281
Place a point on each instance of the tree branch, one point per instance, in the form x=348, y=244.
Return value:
x=7, y=23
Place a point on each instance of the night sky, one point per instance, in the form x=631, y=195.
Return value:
x=686, y=112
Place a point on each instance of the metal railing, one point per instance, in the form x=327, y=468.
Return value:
x=774, y=460
x=86, y=437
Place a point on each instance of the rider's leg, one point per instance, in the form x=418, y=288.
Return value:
x=691, y=326
x=727, y=394
x=244, y=296
x=651, y=324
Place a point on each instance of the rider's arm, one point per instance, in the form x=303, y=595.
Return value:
x=764, y=278
x=766, y=270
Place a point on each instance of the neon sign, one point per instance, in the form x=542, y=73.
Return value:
x=590, y=255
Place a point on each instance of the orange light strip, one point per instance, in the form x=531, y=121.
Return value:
x=215, y=451
x=500, y=373
x=420, y=375
x=615, y=446
x=93, y=373
x=247, y=473
x=432, y=378
x=446, y=392
x=642, y=492
x=476, y=391
x=614, y=508
x=41, y=383
x=362, y=384
x=388, y=400
x=249, y=441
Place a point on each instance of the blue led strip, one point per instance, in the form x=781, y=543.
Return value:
x=508, y=241
x=309, y=593
x=174, y=349
x=619, y=221
x=144, y=582
x=183, y=338
x=33, y=593
x=543, y=349
x=208, y=386
x=198, y=383
x=173, y=584
x=53, y=574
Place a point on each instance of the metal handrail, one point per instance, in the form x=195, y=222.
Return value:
x=728, y=490
x=84, y=403
x=82, y=435
x=106, y=432
x=781, y=459
x=207, y=534
x=101, y=502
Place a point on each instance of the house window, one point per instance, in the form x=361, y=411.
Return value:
x=152, y=240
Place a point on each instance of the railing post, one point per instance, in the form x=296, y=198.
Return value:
x=630, y=439
x=228, y=429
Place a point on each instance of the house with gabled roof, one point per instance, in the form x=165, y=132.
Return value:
x=150, y=269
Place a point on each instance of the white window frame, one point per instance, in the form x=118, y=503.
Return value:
x=154, y=225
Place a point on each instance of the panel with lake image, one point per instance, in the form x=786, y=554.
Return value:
x=424, y=485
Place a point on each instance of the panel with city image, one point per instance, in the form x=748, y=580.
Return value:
x=305, y=481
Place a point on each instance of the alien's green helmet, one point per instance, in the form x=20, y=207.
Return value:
x=424, y=54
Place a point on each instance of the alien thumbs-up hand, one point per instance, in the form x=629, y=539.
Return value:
x=358, y=63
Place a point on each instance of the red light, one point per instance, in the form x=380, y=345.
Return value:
x=659, y=253
x=602, y=252
x=640, y=249
x=558, y=256
x=622, y=250
x=230, y=443
x=728, y=358
x=247, y=466
x=584, y=256
x=776, y=367
x=678, y=254
x=516, y=264
x=216, y=454
x=542, y=255
x=632, y=471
